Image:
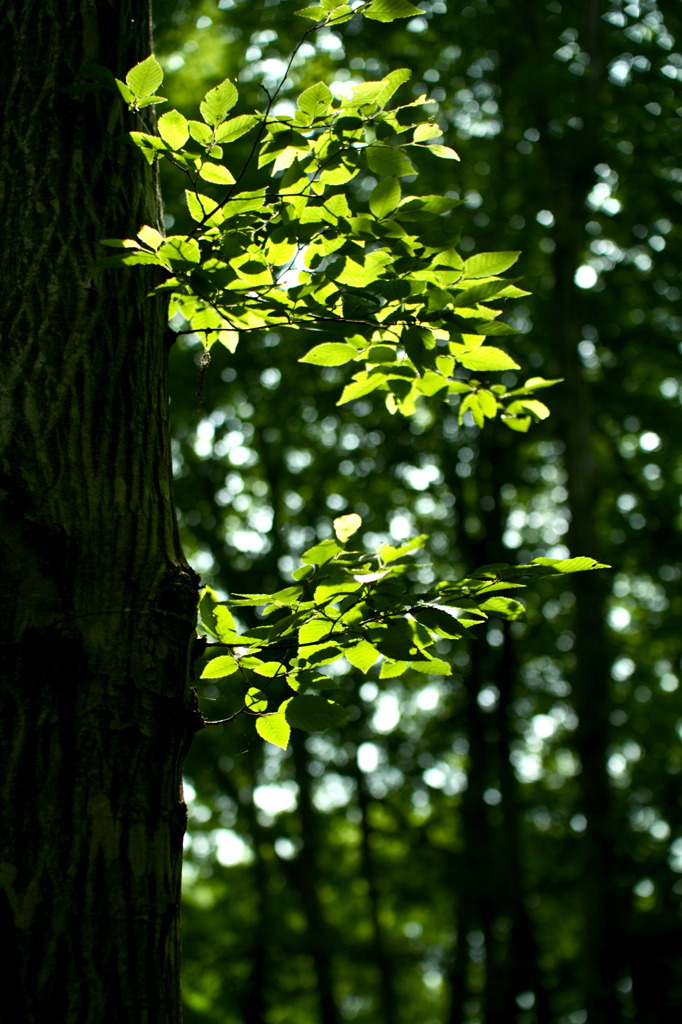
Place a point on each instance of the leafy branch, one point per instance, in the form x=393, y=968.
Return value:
x=346, y=604
x=375, y=269
x=403, y=308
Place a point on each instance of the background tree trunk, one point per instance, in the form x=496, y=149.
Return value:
x=97, y=602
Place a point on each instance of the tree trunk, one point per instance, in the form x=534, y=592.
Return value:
x=97, y=603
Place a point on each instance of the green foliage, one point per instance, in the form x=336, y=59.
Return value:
x=474, y=812
x=282, y=243
x=348, y=604
x=374, y=269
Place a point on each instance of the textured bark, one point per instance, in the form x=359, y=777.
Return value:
x=96, y=601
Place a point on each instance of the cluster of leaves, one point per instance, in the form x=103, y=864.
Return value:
x=287, y=242
x=372, y=268
x=348, y=604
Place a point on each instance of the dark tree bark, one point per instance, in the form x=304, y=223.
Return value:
x=96, y=601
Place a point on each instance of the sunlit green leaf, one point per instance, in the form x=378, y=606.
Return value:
x=274, y=728
x=173, y=129
x=505, y=606
x=389, y=10
x=577, y=564
x=487, y=264
x=346, y=526
x=488, y=358
x=388, y=162
x=255, y=700
x=330, y=353
x=233, y=129
x=426, y=131
x=385, y=197
x=315, y=100
x=315, y=12
x=179, y=247
x=145, y=77
x=218, y=102
x=362, y=656
x=216, y=173
x=150, y=236
x=435, y=666
x=219, y=667
x=201, y=132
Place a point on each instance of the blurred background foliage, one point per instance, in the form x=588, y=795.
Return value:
x=503, y=846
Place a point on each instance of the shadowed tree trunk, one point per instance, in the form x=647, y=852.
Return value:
x=97, y=602
x=308, y=877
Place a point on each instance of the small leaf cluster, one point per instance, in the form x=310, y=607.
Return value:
x=348, y=605
x=288, y=240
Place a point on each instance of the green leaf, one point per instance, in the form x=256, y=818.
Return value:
x=216, y=173
x=536, y=383
x=439, y=621
x=315, y=13
x=521, y=424
x=390, y=83
x=388, y=162
x=181, y=248
x=150, y=236
x=505, y=606
x=150, y=145
x=362, y=656
x=133, y=259
x=225, y=625
x=275, y=729
x=173, y=129
x=201, y=132
x=199, y=205
x=145, y=77
x=331, y=353
x=434, y=666
x=255, y=700
x=220, y=667
x=217, y=102
x=363, y=385
x=148, y=101
x=388, y=553
x=486, y=264
x=578, y=564
x=314, y=630
x=269, y=669
x=488, y=403
x=488, y=358
x=426, y=131
x=396, y=641
x=424, y=207
x=235, y=128
x=315, y=100
x=390, y=10
x=312, y=713
x=346, y=526
x=207, y=609
x=322, y=552
x=391, y=669
x=444, y=152
x=529, y=405
x=471, y=403
x=385, y=197
x=126, y=93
